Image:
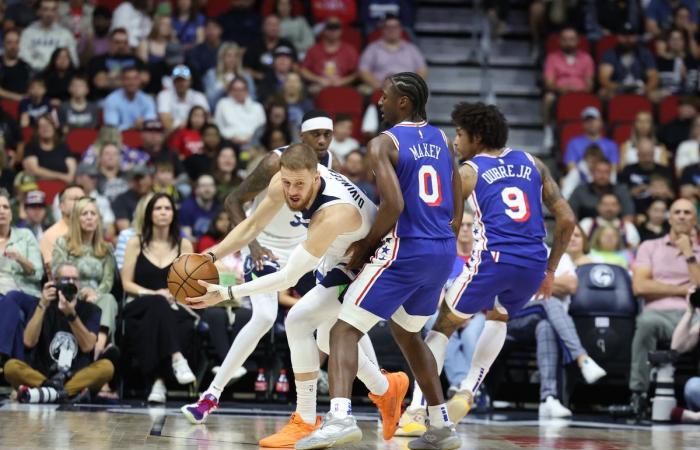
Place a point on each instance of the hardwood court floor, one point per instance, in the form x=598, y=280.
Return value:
x=124, y=427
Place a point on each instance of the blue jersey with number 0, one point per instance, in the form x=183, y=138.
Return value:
x=507, y=205
x=425, y=175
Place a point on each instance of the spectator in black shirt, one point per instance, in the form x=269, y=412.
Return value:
x=35, y=105
x=14, y=73
x=655, y=225
x=678, y=130
x=585, y=198
x=283, y=60
x=57, y=76
x=46, y=157
x=258, y=56
x=638, y=177
x=678, y=70
x=140, y=185
x=690, y=182
x=62, y=332
x=204, y=56
x=9, y=131
x=105, y=71
x=241, y=23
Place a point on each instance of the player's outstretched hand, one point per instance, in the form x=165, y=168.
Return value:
x=545, y=290
x=212, y=297
x=361, y=251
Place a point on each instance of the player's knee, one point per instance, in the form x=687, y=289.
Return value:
x=499, y=314
x=343, y=330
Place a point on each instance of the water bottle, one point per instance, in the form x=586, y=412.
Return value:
x=282, y=386
x=261, y=386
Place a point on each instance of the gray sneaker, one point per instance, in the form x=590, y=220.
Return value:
x=331, y=433
x=437, y=439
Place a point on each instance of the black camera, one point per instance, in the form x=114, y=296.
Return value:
x=67, y=288
x=695, y=298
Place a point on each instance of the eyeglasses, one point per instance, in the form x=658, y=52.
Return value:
x=68, y=279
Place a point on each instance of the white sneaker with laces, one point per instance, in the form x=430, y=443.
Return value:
x=552, y=408
x=591, y=371
x=182, y=372
x=158, y=392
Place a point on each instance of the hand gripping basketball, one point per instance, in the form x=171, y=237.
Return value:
x=215, y=294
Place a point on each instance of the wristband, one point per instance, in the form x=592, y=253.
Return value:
x=213, y=256
x=71, y=317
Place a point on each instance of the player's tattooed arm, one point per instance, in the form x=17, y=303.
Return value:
x=564, y=217
x=252, y=185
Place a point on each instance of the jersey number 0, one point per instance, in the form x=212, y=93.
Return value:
x=429, y=186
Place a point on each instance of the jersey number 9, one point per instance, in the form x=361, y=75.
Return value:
x=517, y=203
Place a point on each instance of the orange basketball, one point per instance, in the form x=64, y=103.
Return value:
x=184, y=273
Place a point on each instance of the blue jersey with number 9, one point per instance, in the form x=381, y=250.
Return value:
x=425, y=175
x=507, y=205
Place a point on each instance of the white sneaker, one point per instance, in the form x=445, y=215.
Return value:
x=591, y=371
x=158, y=392
x=552, y=408
x=412, y=422
x=182, y=372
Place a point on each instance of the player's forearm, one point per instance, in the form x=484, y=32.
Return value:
x=565, y=221
x=653, y=290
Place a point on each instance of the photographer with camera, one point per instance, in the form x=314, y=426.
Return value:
x=62, y=334
x=685, y=339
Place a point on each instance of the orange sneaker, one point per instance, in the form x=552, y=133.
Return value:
x=389, y=404
x=295, y=430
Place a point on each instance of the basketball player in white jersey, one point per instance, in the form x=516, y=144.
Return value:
x=264, y=255
x=337, y=213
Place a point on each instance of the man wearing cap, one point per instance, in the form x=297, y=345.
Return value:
x=628, y=68
x=66, y=199
x=284, y=59
x=330, y=62
x=35, y=214
x=258, y=56
x=174, y=105
x=265, y=255
x=128, y=107
x=140, y=184
x=592, y=134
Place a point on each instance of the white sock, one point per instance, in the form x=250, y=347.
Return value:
x=306, y=400
x=438, y=416
x=341, y=407
x=489, y=345
x=215, y=391
x=437, y=343
x=370, y=375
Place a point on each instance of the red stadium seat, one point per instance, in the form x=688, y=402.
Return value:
x=215, y=8
x=377, y=34
x=11, y=107
x=109, y=4
x=567, y=132
x=51, y=188
x=603, y=45
x=553, y=43
x=342, y=100
x=570, y=106
x=27, y=134
x=79, y=139
x=353, y=36
x=624, y=108
x=376, y=95
x=268, y=7
x=668, y=109
x=132, y=138
x=622, y=133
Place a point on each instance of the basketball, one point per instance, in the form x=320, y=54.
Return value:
x=184, y=273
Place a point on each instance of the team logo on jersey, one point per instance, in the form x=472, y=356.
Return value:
x=602, y=276
x=299, y=221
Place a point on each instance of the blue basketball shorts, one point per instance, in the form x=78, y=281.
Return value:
x=484, y=279
x=402, y=282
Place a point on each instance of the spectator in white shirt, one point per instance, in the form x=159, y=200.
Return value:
x=41, y=38
x=174, y=105
x=237, y=116
x=134, y=17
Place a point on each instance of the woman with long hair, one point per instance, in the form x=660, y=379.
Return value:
x=229, y=66
x=188, y=23
x=294, y=95
x=643, y=128
x=21, y=270
x=158, y=330
x=606, y=247
x=47, y=157
x=57, y=76
x=579, y=248
x=152, y=49
x=188, y=140
x=655, y=225
x=277, y=119
x=225, y=172
x=84, y=246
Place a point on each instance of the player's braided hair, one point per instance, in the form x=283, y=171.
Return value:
x=484, y=121
x=415, y=88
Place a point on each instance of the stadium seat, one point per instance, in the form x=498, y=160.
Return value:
x=567, y=132
x=10, y=107
x=604, y=310
x=624, y=108
x=353, y=36
x=109, y=4
x=553, y=43
x=377, y=34
x=621, y=133
x=27, y=134
x=216, y=8
x=51, y=188
x=603, y=45
x=342, y=100
x=79, y=139
x=569, y=106
x=132, y=138
x=668, y=109
x=376, y=95
x=268, y=7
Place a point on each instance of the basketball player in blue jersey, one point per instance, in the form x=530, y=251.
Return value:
x=506, y=189
x=414, y=238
